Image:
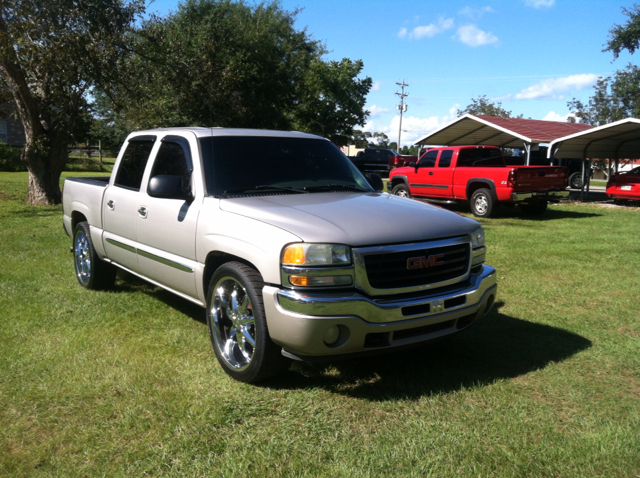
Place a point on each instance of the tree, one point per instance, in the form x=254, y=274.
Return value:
x=625, y=37
x=224, y=63
x=52, y=52
x=615, y=98
x=483, y=106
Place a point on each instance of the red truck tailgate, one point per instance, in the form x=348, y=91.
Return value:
x=540, y=178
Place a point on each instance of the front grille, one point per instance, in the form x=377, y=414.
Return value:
x=417, y=267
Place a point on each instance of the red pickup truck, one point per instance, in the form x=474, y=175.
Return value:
x=478, y=174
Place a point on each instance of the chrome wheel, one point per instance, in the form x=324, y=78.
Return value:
x=82, y=256
x=233, y=322
x=481, y=204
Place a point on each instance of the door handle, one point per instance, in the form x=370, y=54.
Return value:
x=430, y=173
x=111, y=205
x=142, y=212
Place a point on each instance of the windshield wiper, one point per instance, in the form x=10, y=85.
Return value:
x=337, y=186
x=265, y=186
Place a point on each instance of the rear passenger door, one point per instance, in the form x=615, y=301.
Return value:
x=121, y=201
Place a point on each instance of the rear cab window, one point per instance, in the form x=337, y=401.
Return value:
x=480, y=157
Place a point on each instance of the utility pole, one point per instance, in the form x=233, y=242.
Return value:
x=402, y=107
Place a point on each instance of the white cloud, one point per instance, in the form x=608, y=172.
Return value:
x=475, y=13
x=540, y=3
x=471, y=35
x=554, y=88
x=428, y=31
x=553, y=116
x=413, y=128
x=376, y=111
x=376, y=86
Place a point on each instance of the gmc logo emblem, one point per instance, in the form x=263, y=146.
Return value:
x=425, y=262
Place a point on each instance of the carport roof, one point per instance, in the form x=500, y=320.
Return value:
x=620, y=139
x=501, y=132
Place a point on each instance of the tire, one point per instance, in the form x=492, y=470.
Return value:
x=537, y=208
x=92, y=272
x=482, y=203
x=401, y=190
x=575, y=181
x=238, y=327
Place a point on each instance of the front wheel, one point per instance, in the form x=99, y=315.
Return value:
x=401, y=190
x=238, y=327
x=482, y=203
x=91, y=272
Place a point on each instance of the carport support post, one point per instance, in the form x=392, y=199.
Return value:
x=527, y=148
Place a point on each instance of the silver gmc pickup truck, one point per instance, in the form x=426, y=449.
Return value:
x=293, y=253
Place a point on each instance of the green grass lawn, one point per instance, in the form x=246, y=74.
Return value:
x=125, y=383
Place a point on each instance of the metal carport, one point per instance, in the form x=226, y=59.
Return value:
x=620, y=139
x=518, y=133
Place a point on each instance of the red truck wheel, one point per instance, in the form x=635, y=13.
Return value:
x=401, y=190
x=482, y=203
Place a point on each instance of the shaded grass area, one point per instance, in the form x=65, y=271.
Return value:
x=124, y=383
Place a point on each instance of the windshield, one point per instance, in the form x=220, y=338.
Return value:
x=266, y=164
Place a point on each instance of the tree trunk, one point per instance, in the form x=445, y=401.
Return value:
x=45, y=168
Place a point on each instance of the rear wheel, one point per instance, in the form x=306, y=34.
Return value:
x=401, y=190
x=482, y=203
x=91, y=272
x=238, y=327
x=575, y=181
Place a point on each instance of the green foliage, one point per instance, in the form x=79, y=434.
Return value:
x=51, y=53
x=614, y=98
x=379, y=140
x=483, y=106
x=231, y=64
x=627, y=36
x=10, y=159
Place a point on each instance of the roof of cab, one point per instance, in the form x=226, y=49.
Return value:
x=202, y=132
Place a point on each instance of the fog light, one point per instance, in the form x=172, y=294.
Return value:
x=332, y=335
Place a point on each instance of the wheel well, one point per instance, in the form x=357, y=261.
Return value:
x=214, y=260
x=76, y=217
x=397, y=180
x=473, y=187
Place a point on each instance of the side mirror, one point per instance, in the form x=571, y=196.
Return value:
x=376, y=181
x=168, y=187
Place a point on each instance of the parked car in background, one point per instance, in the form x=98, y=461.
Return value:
x=624, y=186
x=375, y=160
x=478, y=175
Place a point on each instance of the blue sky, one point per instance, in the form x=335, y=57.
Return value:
x=531, y=55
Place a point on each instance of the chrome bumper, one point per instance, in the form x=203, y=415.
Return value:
x=300, y=322
x=546, y=195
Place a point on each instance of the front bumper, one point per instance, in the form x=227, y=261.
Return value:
x=300, y=322
x=552, y=196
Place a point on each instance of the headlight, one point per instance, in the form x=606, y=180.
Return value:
x=316, y=255
x=477, y=238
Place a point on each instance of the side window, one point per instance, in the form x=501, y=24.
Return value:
x=445, y=158
x=172, y=160
x=429, y=159
x=132, y=164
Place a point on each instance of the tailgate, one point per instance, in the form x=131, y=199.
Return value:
x=541, y=178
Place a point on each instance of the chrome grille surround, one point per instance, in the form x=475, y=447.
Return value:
x=421, y=248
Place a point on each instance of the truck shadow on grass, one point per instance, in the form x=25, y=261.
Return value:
x=499, y=347
x=553, y=213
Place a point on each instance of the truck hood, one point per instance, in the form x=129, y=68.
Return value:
x=355, y=219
